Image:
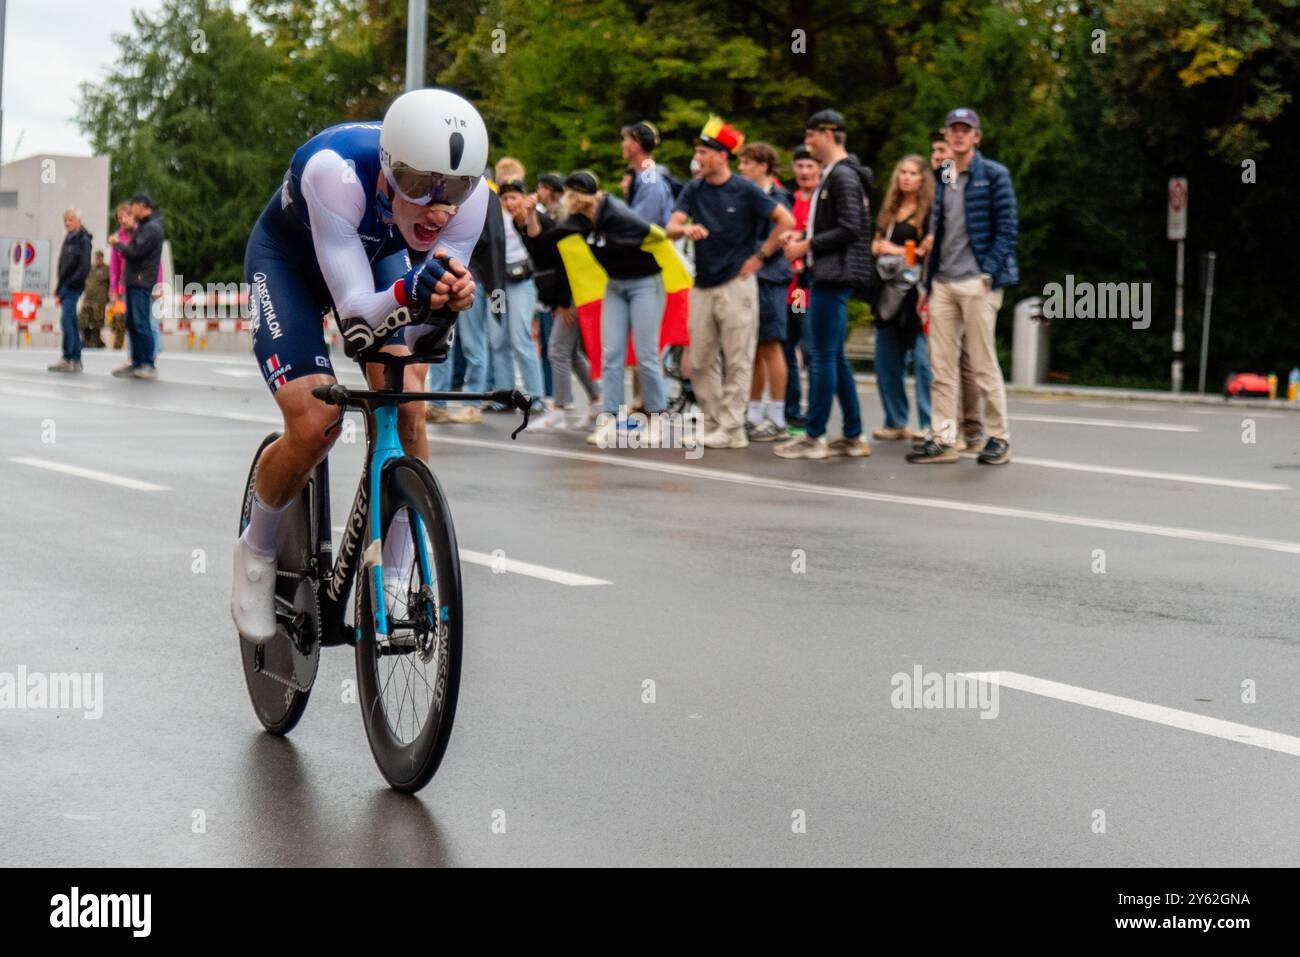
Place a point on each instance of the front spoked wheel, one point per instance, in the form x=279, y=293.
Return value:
x=408, y=679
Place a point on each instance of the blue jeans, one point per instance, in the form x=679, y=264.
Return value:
x=831, y=375
x=512, y=338
x=471, y=337
x=138, y=326
x=794, y=339
x=68, y=324
x=544, y=341
x=636, y=305
x=891, y=367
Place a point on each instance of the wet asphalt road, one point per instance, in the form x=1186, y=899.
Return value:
x=770, y=602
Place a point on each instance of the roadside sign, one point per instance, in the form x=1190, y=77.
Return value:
x=28, y=257
x=1177, y=222
x=25, y=305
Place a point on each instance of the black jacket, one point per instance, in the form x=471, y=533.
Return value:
x=488, y=261
x=548, y=268
x=74, y=260
x=144, y=252
x=841, y=242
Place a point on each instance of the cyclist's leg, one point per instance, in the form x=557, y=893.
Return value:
x=289, y=342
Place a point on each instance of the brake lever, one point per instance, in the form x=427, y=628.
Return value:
x=343, y=410
x=339, y=395
x=525, y=405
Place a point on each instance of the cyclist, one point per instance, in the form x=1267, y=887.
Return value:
x=352, y=228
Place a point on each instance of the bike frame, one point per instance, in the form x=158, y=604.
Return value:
x=383, y=444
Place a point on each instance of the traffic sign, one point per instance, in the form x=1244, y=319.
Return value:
x=28, y=258
x=1177, y=222
x=25, y=305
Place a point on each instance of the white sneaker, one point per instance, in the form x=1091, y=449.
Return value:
x=606, y=435
x=554, y=421
x=720, y=438
x=589, y=417
x=252, y=600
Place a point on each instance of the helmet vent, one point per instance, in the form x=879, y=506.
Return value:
x=457, y=148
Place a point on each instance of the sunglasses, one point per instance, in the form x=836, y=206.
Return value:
x=421, y=188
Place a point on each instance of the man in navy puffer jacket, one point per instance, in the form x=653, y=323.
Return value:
x=971, y=261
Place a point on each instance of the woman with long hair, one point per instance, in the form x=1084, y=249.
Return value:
x=904, y=217
x=633, y=306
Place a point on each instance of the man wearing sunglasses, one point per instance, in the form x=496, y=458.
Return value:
x=374, y=221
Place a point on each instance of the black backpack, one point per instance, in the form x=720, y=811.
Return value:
x=675, y=184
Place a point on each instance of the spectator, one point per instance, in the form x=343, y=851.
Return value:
x=971, y=414
x=807, y=171
x=117, y=310
x=758, y=165
x=550, y=195
x=726, y=212
x=142, y=256
x=73, y=267
x=972, y=260
x=512, y=339
x=553, y=292
x=939, y=152
x=838, y=258
x=634, y=296
x=488, y=266
x=553, y=186
x=650, y=191
x=94, y=302
x=904, y=218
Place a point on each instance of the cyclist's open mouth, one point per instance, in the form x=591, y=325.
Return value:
x=425, y=234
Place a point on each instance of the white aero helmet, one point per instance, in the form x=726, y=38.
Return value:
x=433, y=147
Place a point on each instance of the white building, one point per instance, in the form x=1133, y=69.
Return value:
x=34, y=192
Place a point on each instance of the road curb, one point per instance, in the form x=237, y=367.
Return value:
x=1126, y=395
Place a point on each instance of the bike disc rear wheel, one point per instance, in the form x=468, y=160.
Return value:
x=278, y=674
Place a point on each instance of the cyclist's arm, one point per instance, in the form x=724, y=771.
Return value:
x=336, y=203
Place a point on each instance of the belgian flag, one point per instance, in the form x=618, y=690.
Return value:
x=618, y=226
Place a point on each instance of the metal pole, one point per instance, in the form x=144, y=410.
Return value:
x=417, y=20
x=3, y=16
x=1178, y=326
x=1205, y=322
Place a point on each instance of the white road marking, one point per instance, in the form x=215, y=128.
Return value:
x=165, y=409
x=64, y=383
x=239, y=373
x=1146, y=474
x=1004, y=511
x=513, y=566
x=1106, y=423
x=1143, y=710
x=534, y=571
x=741, y=478
x=93, y=474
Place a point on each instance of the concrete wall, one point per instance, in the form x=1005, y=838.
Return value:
x=47, y=185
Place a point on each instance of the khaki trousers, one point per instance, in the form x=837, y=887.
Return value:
x=965, y=310
x=723, y=326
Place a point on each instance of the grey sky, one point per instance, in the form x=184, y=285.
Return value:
x=51, y=46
